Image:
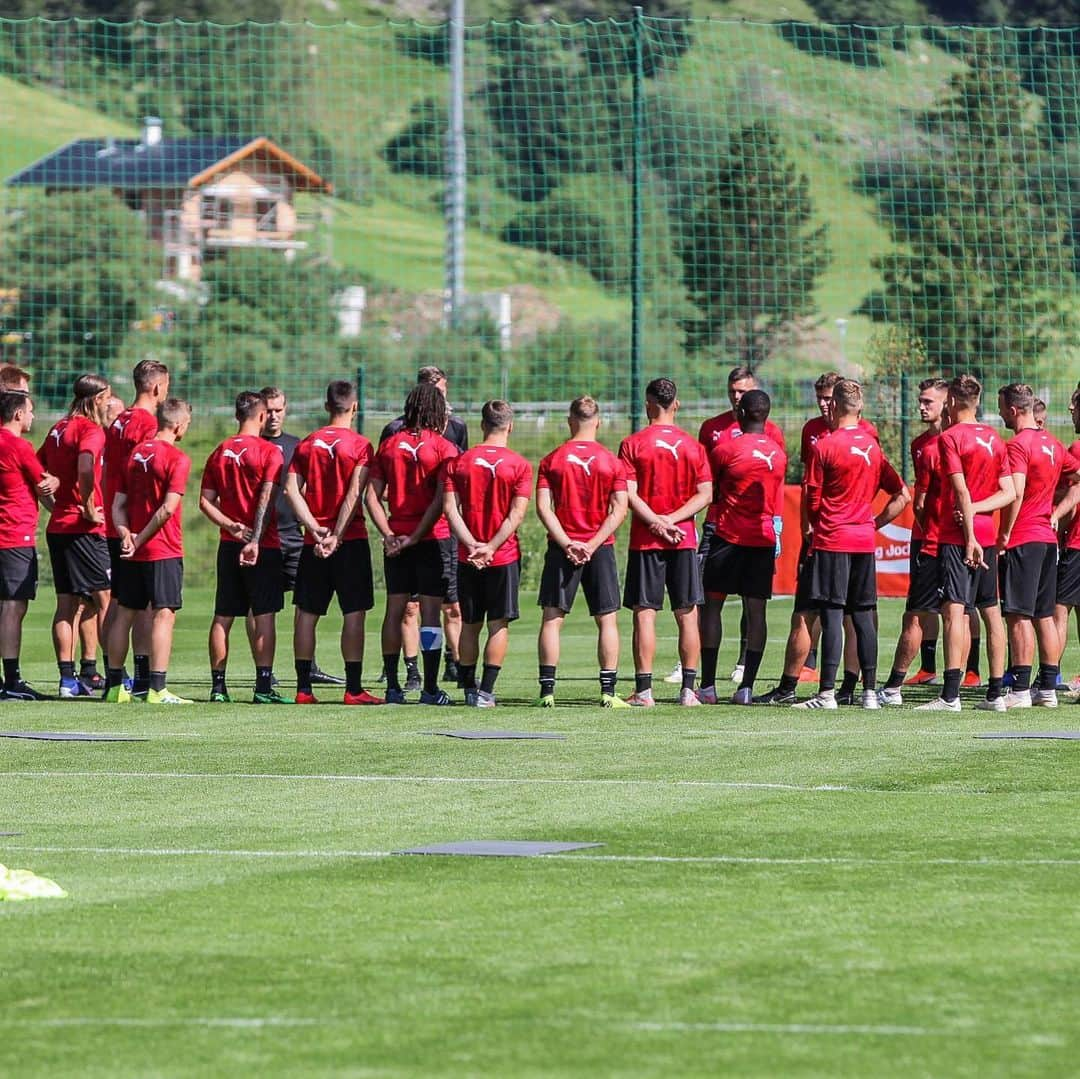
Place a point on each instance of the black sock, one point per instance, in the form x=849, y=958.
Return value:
x=264, y=679
x=142, y=674
x=788, y=682
x=928, y=655
x=354, y=676
x=689, y=676
x=467, y=671
x=432, y=657
x=750, y=668
x=643, y=682
x=12, y=675
x=487, y=680
x=157, y=680
x=708, y=666
x=896, y=679
x=390, y=660
x=547, y=680
x=1023, y=678
x=1048, y=675
x=850, y=681
x=993, y=690
x=303, y=675
x=412, y=667
x=87, y=668
x=608, y=678
x=67, y=670
x=217, y=681
x=973, y=655
x=811, y=659
x=950, y=689
x=114, y=676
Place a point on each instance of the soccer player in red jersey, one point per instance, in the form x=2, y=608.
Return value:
x=975, y=482
x=23, y=483
x=239, y=485
x=72, y=452
x=123, y=433
x=748, y=492
x=327, y=477
x=408, y=473
x=845, y=473
x=923, y=598
x=668, y=482
x=147, y=513
x=1039, y=464
x=487, y=493
x=1068, y=571
x=581, y=500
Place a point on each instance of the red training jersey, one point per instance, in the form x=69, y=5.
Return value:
x=155, y=469
x=20, y=473
x=926, y=457
x=667, y=465
x=1072, y=541
x=819, y=428
x=748, y=489
x=582, y=476
x=324, y=463
x=1040, y=457
x=977, y=453
x=59, y=453
x=411, y=464
x=486, y=480
x=236, y=470
x=845, y=473
x=726, y=426
x=132, y=426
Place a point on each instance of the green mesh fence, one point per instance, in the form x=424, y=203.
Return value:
x=646, y=197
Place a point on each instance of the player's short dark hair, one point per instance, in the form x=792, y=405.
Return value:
x=827, y=381
x=248, y=404
x=754, y=405
x=86, y=388
x=1018, y=395
x=966, y=388
x=584, y=407
x=430, y=374
x=934, y=384
x=270, y=392
x=1039, y=406
x=847, y=395
x=496, y=416
x=147, y=373
x=11, y=376
x=425, y=408
x=171, y=413
x=10, y=403
x=340, y=396
x=663, y=391
x=737, y=374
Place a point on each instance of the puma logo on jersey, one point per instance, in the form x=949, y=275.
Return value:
x=672, y=449
x=56, y=433
x=489, y=465
x=1049, y=451
x=119, y=425
x=233, y=455
x=864, y=454
x=144, y=461
x=767, y=458
x=988, y=445
x=414, y=450
x=328, y=446
x=575, y=460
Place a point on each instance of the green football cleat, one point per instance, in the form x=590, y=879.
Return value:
x=217, y=697
x=163, y=696
x=273, y=697
x=117, y=695
x=546, y=701
x=609, y=700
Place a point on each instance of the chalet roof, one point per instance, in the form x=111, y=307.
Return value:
x=129, y=164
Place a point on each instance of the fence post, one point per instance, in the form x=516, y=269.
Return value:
x=636, y=275
x=454, y=295
x=361, y=403
x=905, y=425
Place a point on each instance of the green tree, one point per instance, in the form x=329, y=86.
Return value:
x=982, y=273
x=750, y=257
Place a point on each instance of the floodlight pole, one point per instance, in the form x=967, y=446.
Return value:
x=454, y=292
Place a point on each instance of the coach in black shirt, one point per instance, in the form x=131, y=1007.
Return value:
x=455, y=432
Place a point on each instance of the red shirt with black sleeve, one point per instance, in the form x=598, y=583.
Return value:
x=237, y=470
x=582, y=476
x=155, y=469
x=748, y=489
x=59, y=453
x=486, y=480
x=324, y=463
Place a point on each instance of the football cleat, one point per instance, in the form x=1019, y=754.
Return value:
x=818, y=700
x=890, y=698
x=1044, y=698
x=484, y=700
x=675, y=678
x=72, y=687
x=870, y=699
x=22, y=691
x=644, y=699
x=546, y=700
x=939, y=704
x=997, y=704
x=321, y=678
x=776, y=695
x=922, y=678
x=273, y=697
x=743, y=695
x=971, y=680
x=363, y=697
x=707, y=695
x=450, y=672
x=609, y=700
x=164, y=696
x=218, y=696
x=737, y=673
x=1018, y=699
x=117, y=695
x=440, y=698
x=305, y=698
x=846, y=699
x=412, y=680
x=396, y=696
x=689, y=699
x=808, y=674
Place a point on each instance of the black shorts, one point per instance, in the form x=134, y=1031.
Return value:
x=649, y=573
x=290, y=565
x=18, y=573
x=120, y=568
x=346, y=573
x=599, y=578
x=959, y=583
x=986, y=580
x=448, y=548
x=804, y=580
x=158, y=584
x=735, y=570
x=491, y=592
x=417, y=571
x=924, y=586
x=842, y=579
x=1027, y=576
x=80, y=563
x=241, y=589
x=1068, y=578
x=708, y=530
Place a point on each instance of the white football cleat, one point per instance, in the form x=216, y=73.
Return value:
x=988, y=705
x=890, y=698
x=827, y=699
x=1018, y=699
x=675, y=678
x=1044, y=698
x=939, y=704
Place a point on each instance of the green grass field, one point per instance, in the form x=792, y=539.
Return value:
x=778, y=893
